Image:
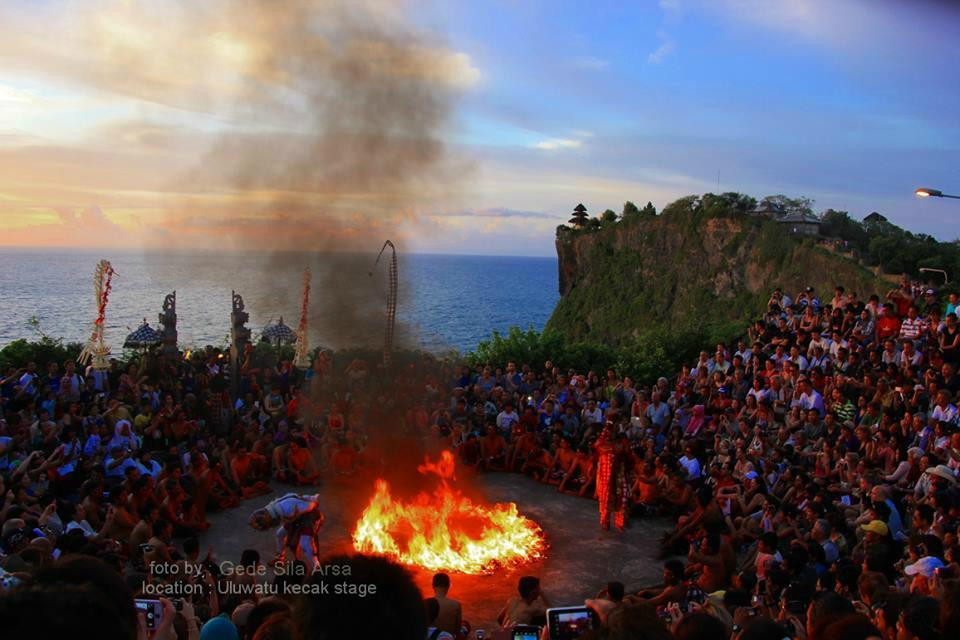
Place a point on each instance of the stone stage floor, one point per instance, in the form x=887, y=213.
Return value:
x=579, y=562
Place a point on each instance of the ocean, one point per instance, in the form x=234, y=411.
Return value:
x=446, y=301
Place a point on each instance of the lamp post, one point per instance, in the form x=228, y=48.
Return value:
x=926, y=192
x=946, y=279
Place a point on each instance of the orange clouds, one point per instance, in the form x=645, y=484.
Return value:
x=287, y=122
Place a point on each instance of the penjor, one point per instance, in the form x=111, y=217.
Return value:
x=96, y=352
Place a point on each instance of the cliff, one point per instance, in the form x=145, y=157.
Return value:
x=704, y=264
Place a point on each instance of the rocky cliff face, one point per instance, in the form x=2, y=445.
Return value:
x=684, y=269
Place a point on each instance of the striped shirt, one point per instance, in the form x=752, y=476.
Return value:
x=911, y=328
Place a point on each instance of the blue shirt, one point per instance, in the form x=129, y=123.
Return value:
x=91, y=446
x=658, y=415
x=118, y=471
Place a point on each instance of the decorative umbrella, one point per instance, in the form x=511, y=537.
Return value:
x=144, y=336
x=279, y=333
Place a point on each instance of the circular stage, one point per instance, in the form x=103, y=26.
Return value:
x=580, y=559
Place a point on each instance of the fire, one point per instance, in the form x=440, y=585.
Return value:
x=445, y=530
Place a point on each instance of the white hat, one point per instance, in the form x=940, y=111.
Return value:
x=943, y=471
x=925, y=566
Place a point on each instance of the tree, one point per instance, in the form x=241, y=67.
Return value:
x=648, y=211
x=630, y=210
x=739, y=201
x=580, y=217
x=789, y=205
x=608, y=217
x=839, y=224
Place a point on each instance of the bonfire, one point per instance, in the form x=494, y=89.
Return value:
x=445, y=531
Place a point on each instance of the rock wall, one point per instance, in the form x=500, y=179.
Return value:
x=683, y=268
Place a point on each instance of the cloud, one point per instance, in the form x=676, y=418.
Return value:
x=201, y=56
x=66, y=227
x=13, y=95
x=494, y=212
x=590, y=63
x=665, y=49
x=553, y=144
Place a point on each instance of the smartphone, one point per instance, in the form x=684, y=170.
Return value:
x=152, y=611
x=845, y=500
x=525, y=632
x=569, y=623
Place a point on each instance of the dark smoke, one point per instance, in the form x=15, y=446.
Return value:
x=339, y=145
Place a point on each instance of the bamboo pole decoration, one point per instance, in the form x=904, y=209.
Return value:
x=391, y=302
x=96, y=351
x=302, y=354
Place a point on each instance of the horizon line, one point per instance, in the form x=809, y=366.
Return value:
x=154, y=250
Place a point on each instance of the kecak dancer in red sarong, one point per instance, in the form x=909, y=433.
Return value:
x=613, y=489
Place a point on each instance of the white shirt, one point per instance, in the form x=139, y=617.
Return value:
x=84, y=526
x=836, y=346
x=504, y=419
x=822, y=343
x=593, y=417
x=914, y=358
x=812, y=400
x=945, y=414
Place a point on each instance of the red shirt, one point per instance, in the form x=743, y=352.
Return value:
x=888, y=327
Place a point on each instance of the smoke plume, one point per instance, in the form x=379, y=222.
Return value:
x=333, y=144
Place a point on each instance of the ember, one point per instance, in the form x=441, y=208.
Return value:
x=445, y=530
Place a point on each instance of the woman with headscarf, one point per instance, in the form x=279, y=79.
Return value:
x=124, y=437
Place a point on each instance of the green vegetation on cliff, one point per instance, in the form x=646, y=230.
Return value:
x=645, y=293
x=704, y=267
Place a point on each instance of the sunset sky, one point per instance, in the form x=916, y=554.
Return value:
x=122, y=123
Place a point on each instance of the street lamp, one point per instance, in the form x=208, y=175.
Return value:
x=946, y=279
x=925, y=192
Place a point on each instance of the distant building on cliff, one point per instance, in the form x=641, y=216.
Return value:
x=768, y=210
x=801, y=222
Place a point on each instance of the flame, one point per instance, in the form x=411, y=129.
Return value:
x=445, y=530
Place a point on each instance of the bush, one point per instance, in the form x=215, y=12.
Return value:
x=644, y=358
x=20, y=352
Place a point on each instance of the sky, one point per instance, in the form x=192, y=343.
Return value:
x=126, y=124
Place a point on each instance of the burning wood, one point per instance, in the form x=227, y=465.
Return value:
x=445, y=530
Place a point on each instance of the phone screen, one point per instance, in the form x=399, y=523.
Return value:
x=151, y=610
x=569, y=623
x=526, y=632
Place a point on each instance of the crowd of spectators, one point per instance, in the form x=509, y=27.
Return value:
x=809, y=472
